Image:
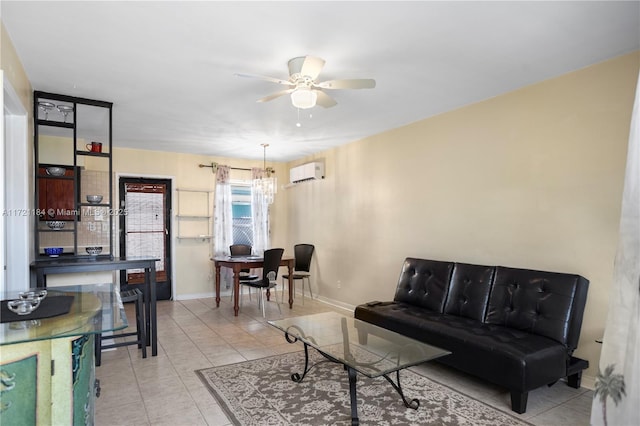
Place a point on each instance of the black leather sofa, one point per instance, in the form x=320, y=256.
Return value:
x=516, y=328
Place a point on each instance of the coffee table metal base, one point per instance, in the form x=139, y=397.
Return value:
x=353, y=379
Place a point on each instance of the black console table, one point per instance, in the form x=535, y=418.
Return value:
x=41, y=268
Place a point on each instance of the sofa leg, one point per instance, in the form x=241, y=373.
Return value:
x=519, y=401
x=574, y=371
x=574, y=380
x=362, y=337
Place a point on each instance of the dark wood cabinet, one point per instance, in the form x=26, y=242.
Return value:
x=57, y=194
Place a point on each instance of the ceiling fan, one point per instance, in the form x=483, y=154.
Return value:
x=306, y=91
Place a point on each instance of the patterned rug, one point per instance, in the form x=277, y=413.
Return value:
x=261, y=392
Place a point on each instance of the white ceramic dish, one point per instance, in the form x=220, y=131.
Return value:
x=94, y=251
x=94, y=199
x=55, y=171
x=55, y=224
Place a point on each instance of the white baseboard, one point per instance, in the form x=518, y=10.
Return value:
x=336, y=304
x=194, y=296
x=588, y=382
x=332, y=302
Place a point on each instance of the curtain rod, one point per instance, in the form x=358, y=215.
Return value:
x=214, y=166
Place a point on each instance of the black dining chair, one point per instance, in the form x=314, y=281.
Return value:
x=303, y=254
x=245, y=274
x=272, y=258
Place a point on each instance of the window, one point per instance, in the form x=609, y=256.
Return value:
x=241, y=213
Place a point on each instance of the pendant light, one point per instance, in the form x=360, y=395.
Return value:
x=268, y=184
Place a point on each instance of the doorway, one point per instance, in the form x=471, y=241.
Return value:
x=145, y=230
x=17, y=214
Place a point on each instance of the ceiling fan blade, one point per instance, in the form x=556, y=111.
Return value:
x=312, y=66
x=356, y=83
x=324, y=100
x=275, y=95
x=262, y=77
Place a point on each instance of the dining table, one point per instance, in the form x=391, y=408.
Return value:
x=238, y=263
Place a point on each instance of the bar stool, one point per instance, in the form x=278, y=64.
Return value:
x=137, y=297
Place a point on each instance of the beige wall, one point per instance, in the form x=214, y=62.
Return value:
x=529, y=179
x=13, y=70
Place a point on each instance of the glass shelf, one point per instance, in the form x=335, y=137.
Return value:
x=94, y=154
x=51, y=123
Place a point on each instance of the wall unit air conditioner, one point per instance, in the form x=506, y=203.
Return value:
x=309, y=171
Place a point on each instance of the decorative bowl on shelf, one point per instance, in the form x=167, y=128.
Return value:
x=23, y=306
x=33, y=293
x=55, y=171
x=53, y=251
x=27, y=302
x=94, y=199
x=55, y=224
x=94, y=251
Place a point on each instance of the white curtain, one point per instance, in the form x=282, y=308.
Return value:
x=259, y=213
x=617, y=388
x=222, y=218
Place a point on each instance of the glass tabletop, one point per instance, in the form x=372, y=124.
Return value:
x=96, y=308
x=367, y=348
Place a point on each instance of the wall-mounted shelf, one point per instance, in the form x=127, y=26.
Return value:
x=194, y=216
x=195, y=237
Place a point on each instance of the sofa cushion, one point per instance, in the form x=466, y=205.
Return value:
x=469, y=291
x=534, y=301
x=512, y=358
x=424, y=283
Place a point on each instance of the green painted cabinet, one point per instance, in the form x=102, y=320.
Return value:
x=48, y=382
x=47, y=366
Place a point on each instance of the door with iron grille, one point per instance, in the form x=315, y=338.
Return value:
x=145, y=230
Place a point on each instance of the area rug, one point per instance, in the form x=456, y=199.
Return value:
x=261, y=392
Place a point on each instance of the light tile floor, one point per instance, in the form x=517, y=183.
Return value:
x=194, y=334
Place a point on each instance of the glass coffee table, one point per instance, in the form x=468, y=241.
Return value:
x=360, y=347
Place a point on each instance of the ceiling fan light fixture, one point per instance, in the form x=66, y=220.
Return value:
x=304, y=98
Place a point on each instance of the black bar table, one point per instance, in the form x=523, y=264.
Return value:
x=41, y=268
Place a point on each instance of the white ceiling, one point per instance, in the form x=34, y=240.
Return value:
x=169, y=67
